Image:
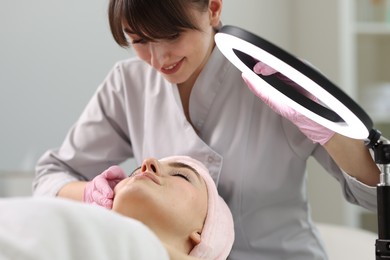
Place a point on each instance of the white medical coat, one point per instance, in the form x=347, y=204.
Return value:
x=256, y=157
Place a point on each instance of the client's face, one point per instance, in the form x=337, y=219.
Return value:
x=169, y=197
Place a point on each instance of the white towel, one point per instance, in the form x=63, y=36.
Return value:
x=59, y=229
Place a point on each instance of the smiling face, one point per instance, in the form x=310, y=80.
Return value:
x=176, y=39
x=180, y=57
x=169, y=197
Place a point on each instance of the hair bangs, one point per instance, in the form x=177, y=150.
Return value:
x=153, y=20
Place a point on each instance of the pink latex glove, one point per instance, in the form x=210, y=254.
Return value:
x=315, y=132
x=100, y=190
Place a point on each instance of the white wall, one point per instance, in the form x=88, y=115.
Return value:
x=53, y=55
x=270, y=19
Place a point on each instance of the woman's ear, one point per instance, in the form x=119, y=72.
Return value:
x=215, y=8
x=195, y=238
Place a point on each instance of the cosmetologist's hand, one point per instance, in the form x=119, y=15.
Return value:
x=100, y=190
x=315, y=132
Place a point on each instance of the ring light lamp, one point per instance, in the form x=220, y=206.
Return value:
x=335, y=110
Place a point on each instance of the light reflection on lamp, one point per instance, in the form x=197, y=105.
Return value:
x=335, y=110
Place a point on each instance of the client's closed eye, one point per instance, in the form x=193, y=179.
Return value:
x=181, y=175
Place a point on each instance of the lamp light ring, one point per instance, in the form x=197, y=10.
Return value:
x=337, y=110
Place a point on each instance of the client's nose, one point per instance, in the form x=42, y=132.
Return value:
x=151, y=165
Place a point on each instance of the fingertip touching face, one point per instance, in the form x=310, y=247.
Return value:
x=175, y=37
x=169, y=197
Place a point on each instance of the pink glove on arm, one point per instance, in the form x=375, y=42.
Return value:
x=100, y=190
x=315, y=132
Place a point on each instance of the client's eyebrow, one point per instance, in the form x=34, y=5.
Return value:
x=183, y=165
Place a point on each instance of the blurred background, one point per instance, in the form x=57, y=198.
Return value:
x=54, y=54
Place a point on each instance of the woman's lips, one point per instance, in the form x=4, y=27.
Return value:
x=148, y=175
x=173, y=68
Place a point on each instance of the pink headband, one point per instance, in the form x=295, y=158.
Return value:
x=218, y=231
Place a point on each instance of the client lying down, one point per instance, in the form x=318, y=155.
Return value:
x=168, y=209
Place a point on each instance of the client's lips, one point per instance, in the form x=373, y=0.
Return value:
x=150, y=176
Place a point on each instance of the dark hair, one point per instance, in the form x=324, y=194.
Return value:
x=152, y=19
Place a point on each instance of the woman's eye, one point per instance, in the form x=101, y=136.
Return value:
x=174, y=36
x=139, y=41
x=181, y=176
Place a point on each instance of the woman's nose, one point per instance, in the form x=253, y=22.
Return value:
x=158, y=54
x=151, y=165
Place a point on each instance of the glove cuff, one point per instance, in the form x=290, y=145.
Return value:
x=314, y=131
